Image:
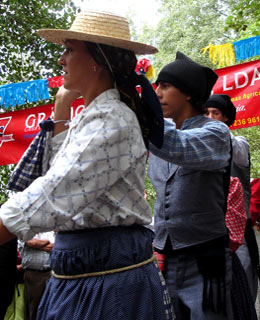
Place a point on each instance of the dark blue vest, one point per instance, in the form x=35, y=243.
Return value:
x=190, y=204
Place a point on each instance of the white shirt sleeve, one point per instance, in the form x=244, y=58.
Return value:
x=240, y=150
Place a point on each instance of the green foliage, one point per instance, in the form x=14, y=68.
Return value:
x=150, y=191
x=24, y=55
x=244, y=18
x=188, y=26
x=5, y=172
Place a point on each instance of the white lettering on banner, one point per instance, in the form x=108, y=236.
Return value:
x=225, y=88
x=41, y=117
x=240, y=108
x=241, y=80
x=30, y=121
x=33, y=120
x=256, y=73
x=242, y=85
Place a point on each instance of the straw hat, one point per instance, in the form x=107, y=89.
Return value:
x=100, y=27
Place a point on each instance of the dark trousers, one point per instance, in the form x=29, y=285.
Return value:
x=185, y=285
x=34, y=282
x=6, y=293
x=8, y=257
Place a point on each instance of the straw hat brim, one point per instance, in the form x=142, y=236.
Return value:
x=59, y=36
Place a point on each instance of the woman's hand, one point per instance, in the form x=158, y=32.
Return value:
x=63, y=101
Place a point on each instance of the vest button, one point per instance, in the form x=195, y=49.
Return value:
x=167, y=218
x=167, y=193
x=167, y=205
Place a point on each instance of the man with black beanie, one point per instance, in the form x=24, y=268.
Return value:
x=191, y=176
x=220, y=107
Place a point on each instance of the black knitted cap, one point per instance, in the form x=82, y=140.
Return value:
x=189, y=76
x=224, y=104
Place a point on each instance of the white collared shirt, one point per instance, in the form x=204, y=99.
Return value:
x=96, y=178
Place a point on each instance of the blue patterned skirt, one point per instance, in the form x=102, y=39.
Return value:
x=136, y=294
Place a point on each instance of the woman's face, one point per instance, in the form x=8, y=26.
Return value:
x=78, y=66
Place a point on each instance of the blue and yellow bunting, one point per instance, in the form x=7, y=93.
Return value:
x=229, y=53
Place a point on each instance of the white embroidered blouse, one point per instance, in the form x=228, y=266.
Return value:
x=96, y=178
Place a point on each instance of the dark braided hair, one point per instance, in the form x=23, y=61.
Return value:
x=198, y=104
x=123, y=63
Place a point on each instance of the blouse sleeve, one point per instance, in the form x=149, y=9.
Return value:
x=97, y=151
x=52, y=147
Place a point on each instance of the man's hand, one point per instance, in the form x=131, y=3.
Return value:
x=37, y=243
x=48, y=247
x=44, y=245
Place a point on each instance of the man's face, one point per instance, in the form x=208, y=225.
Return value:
x=172, y=100
x=215, y=113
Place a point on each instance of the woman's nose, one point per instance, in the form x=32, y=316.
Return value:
x=61, y=60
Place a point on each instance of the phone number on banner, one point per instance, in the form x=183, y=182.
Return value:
x=244, y=121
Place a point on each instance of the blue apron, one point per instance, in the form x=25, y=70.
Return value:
x=136, y=294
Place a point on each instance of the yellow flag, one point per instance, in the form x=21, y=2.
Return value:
x=223, y=55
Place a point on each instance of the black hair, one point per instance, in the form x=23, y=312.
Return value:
x=123, y=64
x=197, y=104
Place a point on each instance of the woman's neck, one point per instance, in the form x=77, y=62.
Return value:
x=100, y=84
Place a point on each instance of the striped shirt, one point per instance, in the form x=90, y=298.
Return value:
x=202, y=148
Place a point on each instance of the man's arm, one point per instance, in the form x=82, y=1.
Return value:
x=240, y=150
x=203, y=148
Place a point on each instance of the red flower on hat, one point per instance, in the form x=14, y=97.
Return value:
x=142, y=66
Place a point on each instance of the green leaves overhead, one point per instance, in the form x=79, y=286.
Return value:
x=189, y=26
x=23, y=54
x=244, y=17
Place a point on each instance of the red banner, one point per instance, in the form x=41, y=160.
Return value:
x=242, y=83
x=18, y=129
